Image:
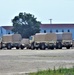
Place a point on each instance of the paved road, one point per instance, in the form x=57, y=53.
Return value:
x=23, y=61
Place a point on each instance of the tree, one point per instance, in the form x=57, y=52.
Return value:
x=26, y=25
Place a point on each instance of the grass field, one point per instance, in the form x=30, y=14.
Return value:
x=60, y=71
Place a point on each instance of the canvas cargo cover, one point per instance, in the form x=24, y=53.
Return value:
x=11, y=38
x=16, y=38
x=25, y=41
x=7, y=38
x=67, y=36
x=45, y=37
x=40, y=37
x=51, y=37
x=59, y=36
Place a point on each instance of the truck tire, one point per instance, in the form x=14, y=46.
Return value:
x=8, y=46
x=17, y=47
x=68, y=47
x=52, y=47
x=42, y=47
x=32, y=47
x=58, y=46
x=22, y=47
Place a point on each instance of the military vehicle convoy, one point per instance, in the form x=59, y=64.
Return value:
x=38, y=41
x=51, y=40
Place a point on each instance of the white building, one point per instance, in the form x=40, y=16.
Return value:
x=48, y=28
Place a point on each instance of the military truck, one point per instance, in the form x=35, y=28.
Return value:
x=64, y=39
x=67, y=40
x=43, y=41
x=11, y=40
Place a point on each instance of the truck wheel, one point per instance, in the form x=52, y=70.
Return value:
x=42, y=47
x=68, y=47
x=32, y=47
x=52, y=47
x=17, y=47
x=22, y=47
x=59, y=46
x=9, y=46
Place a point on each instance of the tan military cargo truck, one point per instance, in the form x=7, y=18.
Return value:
x=37, y=40
x=43, y=41
x=67, y=39
x=64, y=40
x=11, y=40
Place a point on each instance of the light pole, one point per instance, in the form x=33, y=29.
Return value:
x=50, y=21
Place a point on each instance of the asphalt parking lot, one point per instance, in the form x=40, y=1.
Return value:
x=17, y=62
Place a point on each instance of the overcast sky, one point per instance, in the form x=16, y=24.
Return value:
x=61, y=11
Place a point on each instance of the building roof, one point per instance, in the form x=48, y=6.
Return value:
x=57, y=26
x=8, y=27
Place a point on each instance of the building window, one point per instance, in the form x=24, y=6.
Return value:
x=62, y=30
x=8, y=32
x=44, y=31
x=50, y=31
x=68, y=30
x=56, y=30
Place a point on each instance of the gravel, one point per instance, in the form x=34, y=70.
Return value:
x=18, y=62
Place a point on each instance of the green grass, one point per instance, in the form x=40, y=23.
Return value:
x=60, y=71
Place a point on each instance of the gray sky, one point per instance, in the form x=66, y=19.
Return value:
x=61, y=11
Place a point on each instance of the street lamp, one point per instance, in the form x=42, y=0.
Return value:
x=50, y=21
